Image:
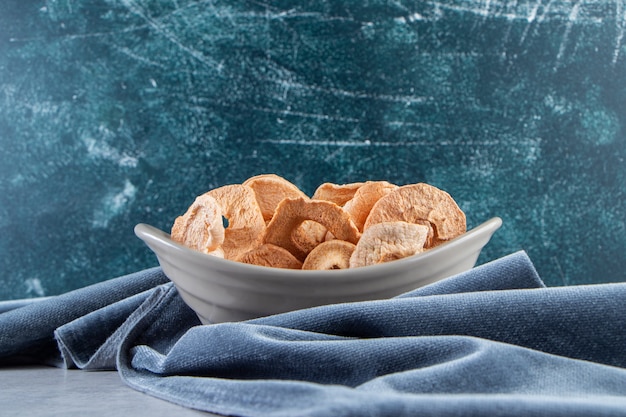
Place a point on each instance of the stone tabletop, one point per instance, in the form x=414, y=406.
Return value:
x=40, y=391
x=119, y=112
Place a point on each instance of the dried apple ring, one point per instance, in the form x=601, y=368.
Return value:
x=336, y=193
x=421, y=204
x=308, y=235
x=291, y=212
x=271, y=189
x=245, y=221
x=339, y=194
x=201, y=227
x=272, y=256
x=366, y=196
x=388, y=241
x=333, y=254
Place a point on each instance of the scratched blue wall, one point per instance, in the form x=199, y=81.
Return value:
x=119, y=112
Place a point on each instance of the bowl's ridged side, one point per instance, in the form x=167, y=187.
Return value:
x=219, y=290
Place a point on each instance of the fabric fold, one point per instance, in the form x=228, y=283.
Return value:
x=91, y=342
x=27, y=333
x=492, y=341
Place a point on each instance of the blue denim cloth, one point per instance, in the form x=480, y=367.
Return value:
x=491, y=341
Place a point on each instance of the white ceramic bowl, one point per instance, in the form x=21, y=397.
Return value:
x=219, y=290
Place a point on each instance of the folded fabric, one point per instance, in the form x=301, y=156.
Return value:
x=491, y=341
x=27, y=333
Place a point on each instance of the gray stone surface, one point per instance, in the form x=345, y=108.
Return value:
x=119, y=112
x=47, y=392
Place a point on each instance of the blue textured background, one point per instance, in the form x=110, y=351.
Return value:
x=119, y=112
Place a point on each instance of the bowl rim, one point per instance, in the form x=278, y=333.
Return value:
x=158, y=240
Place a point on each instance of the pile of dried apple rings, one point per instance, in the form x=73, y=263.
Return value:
x=269, y=221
